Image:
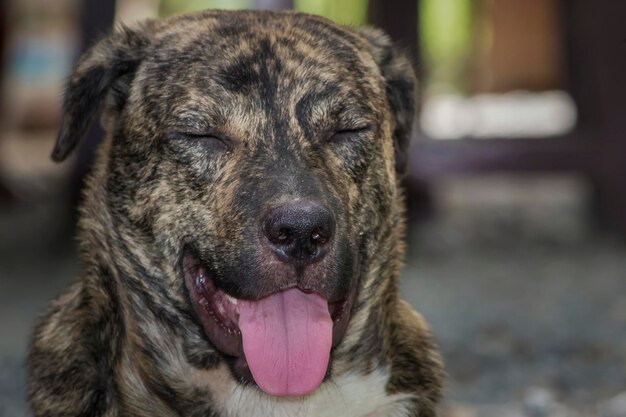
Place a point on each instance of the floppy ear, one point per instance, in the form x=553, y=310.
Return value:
x=401, y=88
x=106, y=68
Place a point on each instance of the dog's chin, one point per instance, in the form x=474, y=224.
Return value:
x=219, y=314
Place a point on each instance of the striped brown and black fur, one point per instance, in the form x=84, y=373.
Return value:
x=209, y=118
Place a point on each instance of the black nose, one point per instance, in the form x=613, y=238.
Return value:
x=299, y=232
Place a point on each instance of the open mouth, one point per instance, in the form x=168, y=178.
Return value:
x=282, y=341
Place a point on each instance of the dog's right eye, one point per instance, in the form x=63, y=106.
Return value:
x=209, y=141
x=342, y=135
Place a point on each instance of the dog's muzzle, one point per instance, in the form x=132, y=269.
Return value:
x=279, y=336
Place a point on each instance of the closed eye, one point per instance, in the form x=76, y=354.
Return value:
x=209, y=140
x=347, y=134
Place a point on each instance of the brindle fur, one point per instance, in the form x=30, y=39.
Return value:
x=124, y=340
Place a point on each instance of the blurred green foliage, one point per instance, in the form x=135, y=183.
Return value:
x=170, y=7
x=352, y=12
x=349, y=12
x=446, y=39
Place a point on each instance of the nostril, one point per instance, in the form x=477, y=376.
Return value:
x=284, y=237
x=319, y=237
x=277, y=231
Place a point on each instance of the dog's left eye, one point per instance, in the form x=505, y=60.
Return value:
x=210, y=141
x=342, y=135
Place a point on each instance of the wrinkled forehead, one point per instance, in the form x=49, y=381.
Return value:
x=251, y=63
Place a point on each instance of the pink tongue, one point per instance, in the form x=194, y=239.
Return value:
x=286, y=340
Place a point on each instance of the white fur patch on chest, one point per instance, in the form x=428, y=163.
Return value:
x=350, y=395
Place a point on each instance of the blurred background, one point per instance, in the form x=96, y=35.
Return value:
x=516, y=187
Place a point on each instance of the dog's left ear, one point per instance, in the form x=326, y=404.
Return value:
x=107, y=68
x=401, y=87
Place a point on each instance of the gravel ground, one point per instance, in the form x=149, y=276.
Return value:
x=528, y=304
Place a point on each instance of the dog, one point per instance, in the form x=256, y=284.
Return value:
x=242, y=229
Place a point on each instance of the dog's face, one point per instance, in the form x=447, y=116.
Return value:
x=257, y=155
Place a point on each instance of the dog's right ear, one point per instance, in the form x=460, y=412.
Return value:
x=106, y=67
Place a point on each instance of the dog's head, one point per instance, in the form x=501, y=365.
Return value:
x=258, y=154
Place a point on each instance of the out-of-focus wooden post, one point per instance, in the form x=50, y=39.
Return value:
x=597, y=57
x=4, y=192
x=399, y=18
